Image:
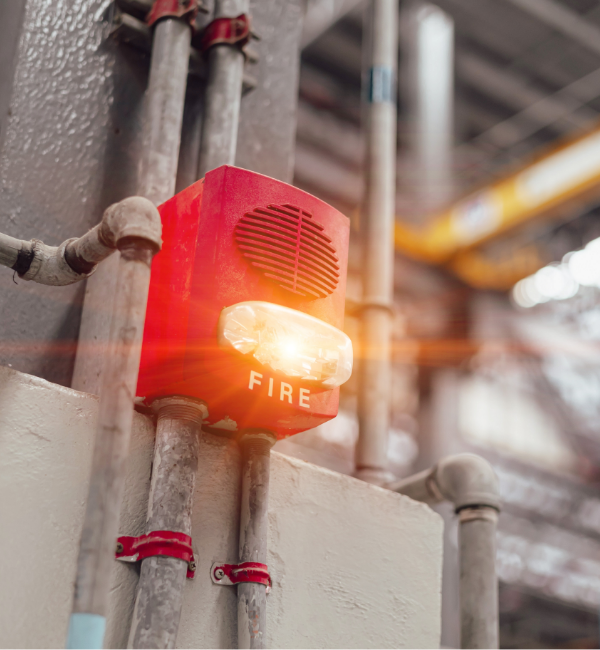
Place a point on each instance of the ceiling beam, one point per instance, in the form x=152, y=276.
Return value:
x=484, y=35
x=555, y=187
x=564, y=20
x=546, y=112
x=313, y=168
x=516, y=92
x=323, y=130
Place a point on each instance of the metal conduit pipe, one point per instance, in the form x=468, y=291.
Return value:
x=77, y=258
x=379, y=82
x=164, y=108
x=137, y=243
x=470, y=484
x=159, y=594
x=160, y=588
x=160, y=139
x=222, y=97
x=252, y=597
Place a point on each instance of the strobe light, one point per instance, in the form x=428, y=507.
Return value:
x=246, y=304
x=288, y=341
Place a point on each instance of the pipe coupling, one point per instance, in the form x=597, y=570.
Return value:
x=180, y=408
x=49, y=266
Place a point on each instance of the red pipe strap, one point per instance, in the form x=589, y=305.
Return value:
x=230, y=31
x=159, y=542
x=233, y=574
x=174, y=9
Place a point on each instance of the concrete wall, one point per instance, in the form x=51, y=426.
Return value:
x=352, y=565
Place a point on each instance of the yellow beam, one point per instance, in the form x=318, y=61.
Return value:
x=544, y=189
x=482, y=272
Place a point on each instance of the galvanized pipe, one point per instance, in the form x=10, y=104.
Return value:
x=9, y=250
x=161, y=136
x=377, y=223
x=478, y=581
x=470, y=484
x=101, y=520
x=222, y=97
x=160, y=588
x=164, y=109
x=76, y=259
x=159, y=595
x=427, y=36
x=252, y=597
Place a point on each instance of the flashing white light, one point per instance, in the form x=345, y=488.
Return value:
x=289, y=341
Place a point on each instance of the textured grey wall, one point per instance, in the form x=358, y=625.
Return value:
x=71, y=148
x=268, y=114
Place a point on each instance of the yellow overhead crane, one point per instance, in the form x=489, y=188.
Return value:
x=552, y=187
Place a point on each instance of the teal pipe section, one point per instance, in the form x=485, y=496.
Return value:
x=86, y=631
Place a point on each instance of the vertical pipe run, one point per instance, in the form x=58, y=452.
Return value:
x=222, y=108
x=252, y=597
x=428, y=82
x=222, y=98
x=161, y=136
x=160, y=588
x=101, y=521
x=377, y=237
x=164, y=108
x=478, y=580
x=470, y=484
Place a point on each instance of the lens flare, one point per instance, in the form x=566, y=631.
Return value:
x=289, y=341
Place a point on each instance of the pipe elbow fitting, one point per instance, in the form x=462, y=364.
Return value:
x=49, y=266
x=467, y=480
x=134, y=217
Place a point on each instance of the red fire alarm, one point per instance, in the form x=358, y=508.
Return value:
x=246, y=304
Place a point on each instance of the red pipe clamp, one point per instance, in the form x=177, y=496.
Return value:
x=228, y=31
x=172, y=9
x=233, y=574
x=159, y=542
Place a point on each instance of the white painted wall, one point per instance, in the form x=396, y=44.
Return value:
x=352, y=565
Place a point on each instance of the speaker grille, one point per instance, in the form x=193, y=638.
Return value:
x=289, y=247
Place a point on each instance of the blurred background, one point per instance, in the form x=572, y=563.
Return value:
x=497, y=238
x=497, y=276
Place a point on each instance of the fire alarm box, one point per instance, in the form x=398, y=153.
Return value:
x=246, y=304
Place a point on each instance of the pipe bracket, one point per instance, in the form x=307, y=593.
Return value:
x=159, y=542
x=227, y=31
x=182, y=9
x=233, y=574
